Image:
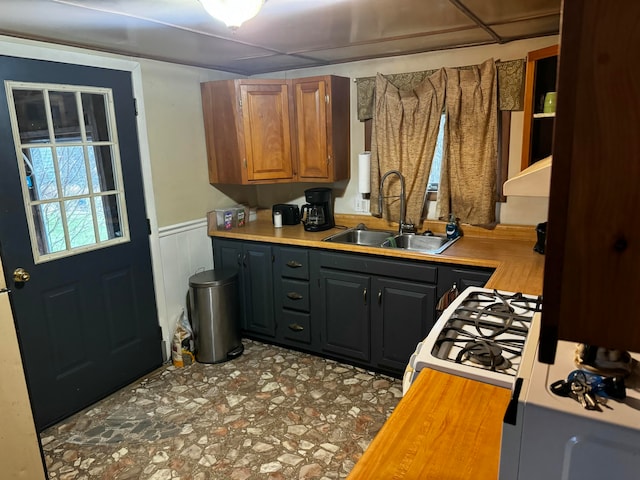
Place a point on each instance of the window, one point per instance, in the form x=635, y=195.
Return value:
x=504, y=131
x=67, y=151
x=434, y=175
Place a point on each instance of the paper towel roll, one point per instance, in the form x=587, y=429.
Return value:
x=364, y=172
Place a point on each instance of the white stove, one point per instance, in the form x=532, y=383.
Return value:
x=548, y=436
x=481, y=335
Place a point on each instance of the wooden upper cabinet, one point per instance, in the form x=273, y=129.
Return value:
x=537, y=137
x=322, y=128
x=247, y=131
x=266, y=130
x=274, y=131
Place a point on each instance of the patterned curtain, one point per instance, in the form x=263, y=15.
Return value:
x=510, y=86
x=467, y=187
x=405, y=131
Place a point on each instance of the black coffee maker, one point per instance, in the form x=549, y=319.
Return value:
x=317, y=213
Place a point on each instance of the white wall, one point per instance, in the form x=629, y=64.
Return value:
x=186, y=250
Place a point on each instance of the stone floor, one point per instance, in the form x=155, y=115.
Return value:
x=272, y=413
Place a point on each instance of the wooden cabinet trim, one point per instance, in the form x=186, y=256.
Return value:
x=529, y=100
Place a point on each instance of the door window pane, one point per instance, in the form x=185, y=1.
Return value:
x=95, y=117
x=51, y=234
x=101, y=165
x=108, y=223
x=40, y=173
x=64, y=114
x=80, y=222
x=73, y=173
x=72, y=179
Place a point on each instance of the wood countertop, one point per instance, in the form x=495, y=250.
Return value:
x=508, y=249
x=446, y=427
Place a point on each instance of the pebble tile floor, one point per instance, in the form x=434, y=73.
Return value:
x=271, y=413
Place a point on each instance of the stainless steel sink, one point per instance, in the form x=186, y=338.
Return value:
x=370, y=238
x=433, y=244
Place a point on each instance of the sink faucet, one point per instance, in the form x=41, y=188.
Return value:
x=401, y=196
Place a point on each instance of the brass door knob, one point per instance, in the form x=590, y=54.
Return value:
x=21, y=275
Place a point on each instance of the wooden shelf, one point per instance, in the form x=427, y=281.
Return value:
x=540, y=79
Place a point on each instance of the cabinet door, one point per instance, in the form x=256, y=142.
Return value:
x=228, y=255
x=267, y=134
x=345, y=314
x=311, y=122
x=593, y=234
x=258, y=288
x=462, y=278
x=402, y=315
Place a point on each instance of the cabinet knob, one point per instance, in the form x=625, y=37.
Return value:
x=294, y=296
x=293, y=264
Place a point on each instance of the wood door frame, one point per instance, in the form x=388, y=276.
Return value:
x=28, y=49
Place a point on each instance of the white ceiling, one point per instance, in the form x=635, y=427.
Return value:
x=286, y=34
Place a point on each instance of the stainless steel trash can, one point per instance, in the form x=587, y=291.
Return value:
x=213, y=311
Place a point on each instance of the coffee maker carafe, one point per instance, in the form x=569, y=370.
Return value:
x=317, y=213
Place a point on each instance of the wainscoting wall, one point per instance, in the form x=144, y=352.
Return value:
x=185, y=249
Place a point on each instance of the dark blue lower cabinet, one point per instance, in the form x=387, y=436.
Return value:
x=402, y=315
x=344, y=314
x=360, y=309
x=254, y=263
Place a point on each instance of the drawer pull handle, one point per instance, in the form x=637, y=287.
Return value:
x=294, y=296
x=296, y=327
x=293, y=264
x=364, y=296
x=379, y=297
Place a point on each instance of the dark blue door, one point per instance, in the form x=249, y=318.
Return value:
x=73, y=233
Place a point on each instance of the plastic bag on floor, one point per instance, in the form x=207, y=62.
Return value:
x=182, y=346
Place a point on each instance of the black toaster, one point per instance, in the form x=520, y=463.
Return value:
x=290, y=213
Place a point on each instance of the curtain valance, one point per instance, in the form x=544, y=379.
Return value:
x=510, y=86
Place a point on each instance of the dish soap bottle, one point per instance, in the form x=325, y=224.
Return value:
x=452, y=230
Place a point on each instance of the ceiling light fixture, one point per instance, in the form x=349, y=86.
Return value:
x=232, y=12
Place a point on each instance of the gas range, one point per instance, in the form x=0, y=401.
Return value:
x=481, y=335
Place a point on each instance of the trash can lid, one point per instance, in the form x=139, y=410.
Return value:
x=212, y=278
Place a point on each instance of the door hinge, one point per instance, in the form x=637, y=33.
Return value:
x=148, y=226
x=135, y=106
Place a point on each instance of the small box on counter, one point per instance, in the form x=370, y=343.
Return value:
x=228, y=218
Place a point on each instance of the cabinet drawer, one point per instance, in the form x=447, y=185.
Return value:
x=295, y=294
x=294, y=263
x=405, y=269
x=296, y=326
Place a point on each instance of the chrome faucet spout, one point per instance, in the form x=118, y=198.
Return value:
x=402, y=198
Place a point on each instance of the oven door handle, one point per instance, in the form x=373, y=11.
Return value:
x=511, y=414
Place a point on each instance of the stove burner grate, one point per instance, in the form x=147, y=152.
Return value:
x=487, y=330
x=487, y=354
